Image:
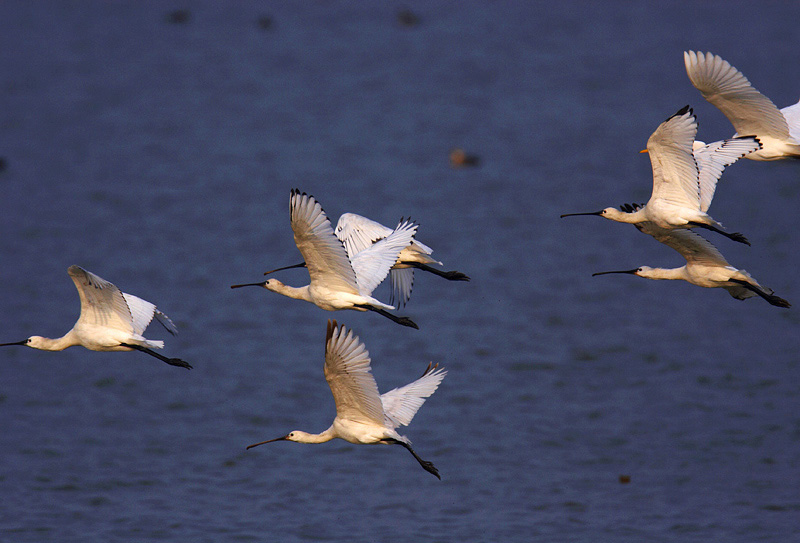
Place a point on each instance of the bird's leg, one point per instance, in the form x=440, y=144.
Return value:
x=449, y=275
x=771, y=298
x=427, y=466
x=405, y=321
x=736, y=236
x=170, y=361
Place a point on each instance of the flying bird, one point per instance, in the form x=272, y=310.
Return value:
x=363, y=416
x=705, y=266
x=359, y=233
x=110, y=320
x=684, y=180
x=338, y=281
x=749, y=111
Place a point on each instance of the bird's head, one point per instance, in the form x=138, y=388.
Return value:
x=30, y=342
x=272, y=284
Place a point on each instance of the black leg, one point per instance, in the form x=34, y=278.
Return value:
x=170, y=361
x=427, y=466
x=771, y=298
x=449, y=275
x=736, y=236
x=405, y=321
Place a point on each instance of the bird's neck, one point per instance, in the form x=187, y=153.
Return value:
x=298, y=293
x=55, y=344
x=622, y=216
x=303, y=437
x=665, y=273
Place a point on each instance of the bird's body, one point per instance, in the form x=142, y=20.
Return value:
x=750, y=112
x=110, y=320
x=705, y=266
x=339, y=281
x=684, y=177
x=363, y=416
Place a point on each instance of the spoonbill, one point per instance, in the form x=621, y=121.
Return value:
x=705, y=266
x=363, y=416
x=359, y=233
x=748, y=110
x=336, y=280
x=110, y=320
x=683, y=186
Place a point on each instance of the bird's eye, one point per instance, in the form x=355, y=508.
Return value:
x=638, y=269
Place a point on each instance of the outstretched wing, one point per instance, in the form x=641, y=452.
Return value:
x=402, y=285
x=713, y=158
x=728, y=89
x=675, y=173
x=347, y=370
x=102, y=303
x=372, y=265
x=401, y=404
x=325, y=256
x=359, y=233
x=142, y=313
x=693, y=247
x=792, y=116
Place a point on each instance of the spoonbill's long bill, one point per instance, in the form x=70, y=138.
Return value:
x=359, y=233
x=683, y=180
x=363, y=416
x=336, y=280
x=705, y=266
x=110, y=320
x=748, y=110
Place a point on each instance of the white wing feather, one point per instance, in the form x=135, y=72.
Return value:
x=102, y=303
x=324, y=255
x=358, y=233
x=372, y=265
x=713, y=158
x=402, y=284
x=675, y=173
x=347, y=370
x=401, y=404
x=792, y=116
x=750, y=112
x=693, y=247
x=142, y=312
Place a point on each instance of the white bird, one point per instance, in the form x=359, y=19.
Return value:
x=363, y=416
x=750, y=112
x=683, y=180
x=705, y=266
x=110, y=320
x=336, y=280
x=359, y=233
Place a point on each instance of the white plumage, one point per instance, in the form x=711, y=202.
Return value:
x=338, y=281
x=363, y=415
x=750, y=112
x=705, y=266
x=110, y=320
x=359, y=233
x=684, y=179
